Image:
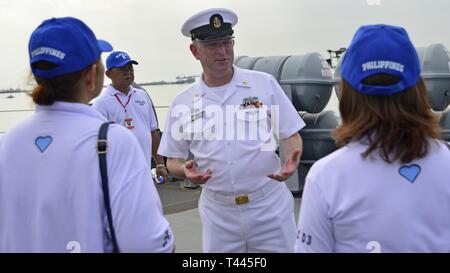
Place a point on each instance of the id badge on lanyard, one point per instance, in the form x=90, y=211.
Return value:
x=128, y=121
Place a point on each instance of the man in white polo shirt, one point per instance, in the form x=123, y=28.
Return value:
x=131, y=107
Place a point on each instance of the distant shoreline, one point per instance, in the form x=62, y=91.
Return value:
x=180, y=81
x=8, y=91
x=164, y=82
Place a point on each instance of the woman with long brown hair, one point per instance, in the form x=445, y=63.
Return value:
x=387, y=189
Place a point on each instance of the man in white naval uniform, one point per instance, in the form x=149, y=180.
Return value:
x=131, y=107
x=231, y=120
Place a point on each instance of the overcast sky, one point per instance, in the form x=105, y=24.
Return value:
x=149, y=30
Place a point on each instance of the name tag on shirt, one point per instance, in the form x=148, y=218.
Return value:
x=129, y=123
x=197, y=115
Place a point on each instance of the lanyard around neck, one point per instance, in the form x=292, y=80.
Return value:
x=123, y=105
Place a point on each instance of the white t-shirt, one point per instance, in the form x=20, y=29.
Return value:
x=219, y=90
x=51, y=199
x=355, y=205
x=138, y=107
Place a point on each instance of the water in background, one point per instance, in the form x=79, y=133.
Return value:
x=14, y=110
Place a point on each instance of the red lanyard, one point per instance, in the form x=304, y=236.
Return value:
x=123, y=105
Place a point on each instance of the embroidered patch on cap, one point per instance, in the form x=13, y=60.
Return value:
x=216, y=21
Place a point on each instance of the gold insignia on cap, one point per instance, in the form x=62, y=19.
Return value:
x=245, y=82
x=216, y=22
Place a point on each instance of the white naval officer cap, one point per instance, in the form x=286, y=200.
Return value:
x=210, y=24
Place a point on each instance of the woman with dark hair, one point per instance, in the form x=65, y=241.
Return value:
x=388, y=188
x=51, y=195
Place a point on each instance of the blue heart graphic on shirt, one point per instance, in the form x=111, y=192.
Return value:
x=410, y=172
x=43, y=142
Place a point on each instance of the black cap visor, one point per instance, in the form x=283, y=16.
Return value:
x=208, y=33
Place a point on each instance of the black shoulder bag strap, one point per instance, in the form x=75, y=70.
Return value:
x=102, y=148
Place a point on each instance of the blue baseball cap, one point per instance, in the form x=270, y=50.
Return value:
x=118, y=59
x=381, y=49
x=68, y=43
